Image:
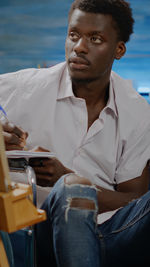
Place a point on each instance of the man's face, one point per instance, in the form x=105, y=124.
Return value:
x=91, y=45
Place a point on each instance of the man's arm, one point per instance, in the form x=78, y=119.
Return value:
x=110, y=200
x=125, y=192
x=48, y=170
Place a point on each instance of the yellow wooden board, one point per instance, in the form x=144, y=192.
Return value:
x=4, y=170
x=16, y=207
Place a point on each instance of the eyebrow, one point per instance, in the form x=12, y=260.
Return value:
x=72, y=28
x=96, y=33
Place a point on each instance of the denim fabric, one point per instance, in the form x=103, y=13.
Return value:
x=126, y=236
x=71, y=237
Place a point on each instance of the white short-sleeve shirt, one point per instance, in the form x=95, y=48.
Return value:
x=116, y=147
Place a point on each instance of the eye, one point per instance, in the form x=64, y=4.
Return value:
x=96, y=39
x=74, y=36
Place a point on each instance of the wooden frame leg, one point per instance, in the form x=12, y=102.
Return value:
x=3, y=256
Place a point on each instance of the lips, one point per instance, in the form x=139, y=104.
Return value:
x=78, y=63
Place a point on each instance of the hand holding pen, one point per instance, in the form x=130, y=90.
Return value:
x=14, y=136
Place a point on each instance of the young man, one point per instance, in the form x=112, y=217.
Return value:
x=99, y=129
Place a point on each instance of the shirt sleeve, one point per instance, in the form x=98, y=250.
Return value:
x=135, y=155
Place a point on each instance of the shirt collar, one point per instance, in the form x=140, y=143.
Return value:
x=111, y=104
x=65, y=88
x=65, y=91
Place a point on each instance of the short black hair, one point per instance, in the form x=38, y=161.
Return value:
x=120, y=11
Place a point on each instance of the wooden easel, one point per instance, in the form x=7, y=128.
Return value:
x=16, y=208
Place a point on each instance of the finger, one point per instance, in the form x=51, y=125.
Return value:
x=40, y=149
x=45, y=170
x=11, y=128
x=11, y=138
x=45, y=162
x=42, y=181
x=19, y=132
x=45, y=179
x=12, y=147
x=40, y=162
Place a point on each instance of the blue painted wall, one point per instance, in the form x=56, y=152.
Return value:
x=32, y=33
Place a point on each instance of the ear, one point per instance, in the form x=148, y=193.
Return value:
x=120, y=50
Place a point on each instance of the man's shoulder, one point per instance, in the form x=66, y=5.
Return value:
x=123, y=87
x=128, y=100
x=30, y=82
x=34, y=72
x=133, y=110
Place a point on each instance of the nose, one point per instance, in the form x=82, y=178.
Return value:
x=81, y=46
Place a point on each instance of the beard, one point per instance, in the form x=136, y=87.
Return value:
x=82, y=81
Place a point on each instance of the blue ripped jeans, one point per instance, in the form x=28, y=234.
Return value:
x=70, y=237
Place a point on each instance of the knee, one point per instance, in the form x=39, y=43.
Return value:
x=78, y=202
x=75, y=179
x=74, y=190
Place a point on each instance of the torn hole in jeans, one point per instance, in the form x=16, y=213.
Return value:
x=79, y=204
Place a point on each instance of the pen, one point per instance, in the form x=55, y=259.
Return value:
x=3, y=115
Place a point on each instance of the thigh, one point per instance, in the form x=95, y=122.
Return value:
x=125, y=237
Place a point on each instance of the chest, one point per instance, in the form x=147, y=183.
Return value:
x=61, y=127
x=93, y=113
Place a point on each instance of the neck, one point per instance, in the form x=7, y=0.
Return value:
x=93, y=92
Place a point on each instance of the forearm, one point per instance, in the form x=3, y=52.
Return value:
x=111, y=200
x=125, y=193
